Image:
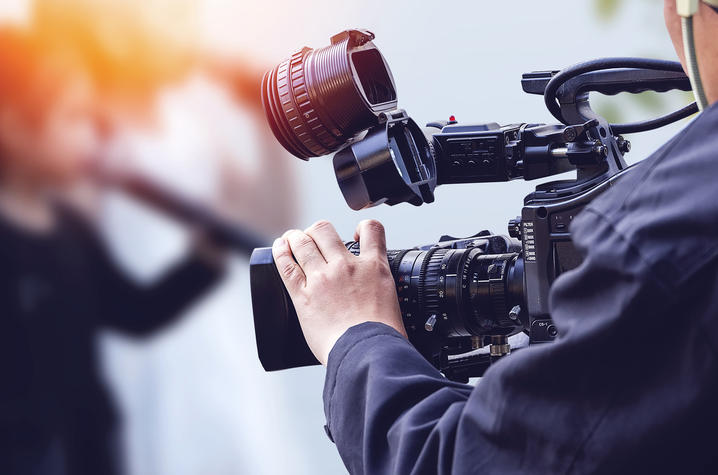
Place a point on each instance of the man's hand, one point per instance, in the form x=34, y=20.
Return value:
x=332, y=289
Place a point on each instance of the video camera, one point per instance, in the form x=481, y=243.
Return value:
x=460, y=299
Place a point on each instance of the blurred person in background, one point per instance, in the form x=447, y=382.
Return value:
x=58, y=284
x=194, y=400
x=158, y=88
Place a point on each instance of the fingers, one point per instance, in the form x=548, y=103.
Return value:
x=327, y=240
x=305, y=250
x=371, y=237
x=291, y=273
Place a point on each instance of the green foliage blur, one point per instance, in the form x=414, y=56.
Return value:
x=607, y=9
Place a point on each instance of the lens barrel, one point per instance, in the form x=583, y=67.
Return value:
x=443, y=293
x=319, y=99
x=457, y=292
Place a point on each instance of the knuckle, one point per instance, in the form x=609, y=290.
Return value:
x=280, y=252
x=375, y=265
x=336, y=269
x=350, y=267
x=381, y=267
x=305, y=241
x=321, y=225
x=288, y=233
x=289, y=271
x=301, y=240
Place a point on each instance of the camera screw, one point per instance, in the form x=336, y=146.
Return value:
x=430, y=323
x=477, y=342
x=515, y=312
x=499, y=346
x=600, y=151
x=623, y=145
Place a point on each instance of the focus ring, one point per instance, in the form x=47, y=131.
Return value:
x=292, y=96
x=313, y=131
x=275, y=113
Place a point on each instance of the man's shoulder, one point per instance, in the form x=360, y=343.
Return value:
x=667, y=208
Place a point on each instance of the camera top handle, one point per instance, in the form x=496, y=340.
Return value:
x=566, y=92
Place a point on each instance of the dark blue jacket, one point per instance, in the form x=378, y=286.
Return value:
x=56, y=292
x=631, y=384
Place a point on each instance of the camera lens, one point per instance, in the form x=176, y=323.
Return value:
x=318, y=100
x=457, y=292
x=442, y=293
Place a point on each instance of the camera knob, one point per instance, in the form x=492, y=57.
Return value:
x=623, y=145
x=515, y=228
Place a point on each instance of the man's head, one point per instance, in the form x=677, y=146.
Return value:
x=133, y=48
x=705, y=23
x=47, y=129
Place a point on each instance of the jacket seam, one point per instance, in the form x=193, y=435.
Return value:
x=647, y=264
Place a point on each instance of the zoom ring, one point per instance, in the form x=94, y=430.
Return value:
x=431, y=283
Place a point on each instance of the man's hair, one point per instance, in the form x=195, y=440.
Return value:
x=32, y=72
x=123, y=52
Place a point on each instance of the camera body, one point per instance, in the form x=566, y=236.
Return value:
x=461, y=299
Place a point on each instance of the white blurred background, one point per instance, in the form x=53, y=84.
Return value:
x=195, y=399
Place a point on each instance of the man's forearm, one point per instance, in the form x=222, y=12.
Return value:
x=388, y=410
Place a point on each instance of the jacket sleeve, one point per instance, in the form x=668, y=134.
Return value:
x=141, y=309
x=389, y=411
x=134, y=308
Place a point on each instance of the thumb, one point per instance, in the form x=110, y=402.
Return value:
x=372, y=238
